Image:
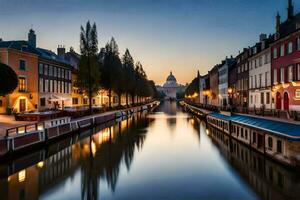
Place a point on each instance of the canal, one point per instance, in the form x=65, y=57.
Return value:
x=166, y=154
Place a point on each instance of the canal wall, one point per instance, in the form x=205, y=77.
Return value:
x=277, y=140
x=50, y=130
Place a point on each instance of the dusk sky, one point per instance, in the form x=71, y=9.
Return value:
x=179, y=35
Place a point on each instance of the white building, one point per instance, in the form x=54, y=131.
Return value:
x=260, y=77
x=170, y=87
x=223, y=81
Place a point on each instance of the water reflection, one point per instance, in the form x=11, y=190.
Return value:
x=137, y=159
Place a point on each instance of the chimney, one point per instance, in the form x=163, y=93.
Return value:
x=290, y=10
x=262, y=37
x=32, y=38
x=61, y=51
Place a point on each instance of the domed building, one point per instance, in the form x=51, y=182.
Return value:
x=170, y=87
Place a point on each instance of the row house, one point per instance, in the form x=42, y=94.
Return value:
x=286, y=62
x=242, y=83
x=214, y=86
x=223, y=72
x=204, y=89
x=260, y=90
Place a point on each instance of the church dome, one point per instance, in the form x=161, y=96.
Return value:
x=171, y=82
x=171, y=77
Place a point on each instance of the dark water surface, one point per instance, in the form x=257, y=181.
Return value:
x=162, y=155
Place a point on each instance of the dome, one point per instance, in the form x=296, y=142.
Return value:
x=171, y=77
x=171, y=82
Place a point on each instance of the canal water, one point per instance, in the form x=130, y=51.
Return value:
x=166, y=154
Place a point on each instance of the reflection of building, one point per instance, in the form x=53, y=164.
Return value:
x=267, y=178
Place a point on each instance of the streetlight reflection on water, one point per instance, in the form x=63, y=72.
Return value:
x=164, y=151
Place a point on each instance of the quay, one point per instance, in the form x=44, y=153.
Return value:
x=31, y=135
x=276, y=139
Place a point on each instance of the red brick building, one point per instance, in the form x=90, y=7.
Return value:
x=286, y=62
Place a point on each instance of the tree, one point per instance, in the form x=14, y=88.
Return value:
x=193, y=87
x=111, y=70
x=89, y=74
x=129, y=74
x=8, y=80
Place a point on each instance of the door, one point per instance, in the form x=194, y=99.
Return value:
x=286, y=101
x=22, y=105
x=278, y=101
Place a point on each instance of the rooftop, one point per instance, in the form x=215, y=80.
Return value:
x=285, y=129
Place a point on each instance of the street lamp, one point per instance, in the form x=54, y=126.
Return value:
x=230, y=93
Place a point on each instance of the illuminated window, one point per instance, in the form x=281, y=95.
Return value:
x=297, y=93
x=22, y=84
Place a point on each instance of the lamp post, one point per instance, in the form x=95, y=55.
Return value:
x=230, y=93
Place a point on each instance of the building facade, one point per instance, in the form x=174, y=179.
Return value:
x=214, y=86
x=260, y=90
x=23, y=59
x=223, y=72
x=286, y=62
x=204, y=89
x=242, y=78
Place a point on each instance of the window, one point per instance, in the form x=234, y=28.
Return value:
x=46, y=69
x=262, y=98
x=22, y=65
x=282, y=50
x=298, y=43
x=41, y=68
x=290, y=73
x=275, y=75
x=279, y=146
x=255, y=82
x=282, y=74
x=43, y=101
x=251, y=81
x=270, y=142
x=260, y=80
x=58, y=73
x=46, y=85
x=41, y=86
x=85, y=101
x=22, y=84
x=55, y=86
x=266, y=79
x=260, y=61
x=50, y=71
x=268, y=97
x=290, y=48
x=297, y=94
x=1, y=103
x=275, y=53
x=54, y=71
x=74, y=101
x=51, y=86
x=251, y=99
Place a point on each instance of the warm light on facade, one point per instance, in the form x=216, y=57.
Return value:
x=40, y=164
x=22, y=176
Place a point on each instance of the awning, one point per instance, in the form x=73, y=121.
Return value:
x=58, y=98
